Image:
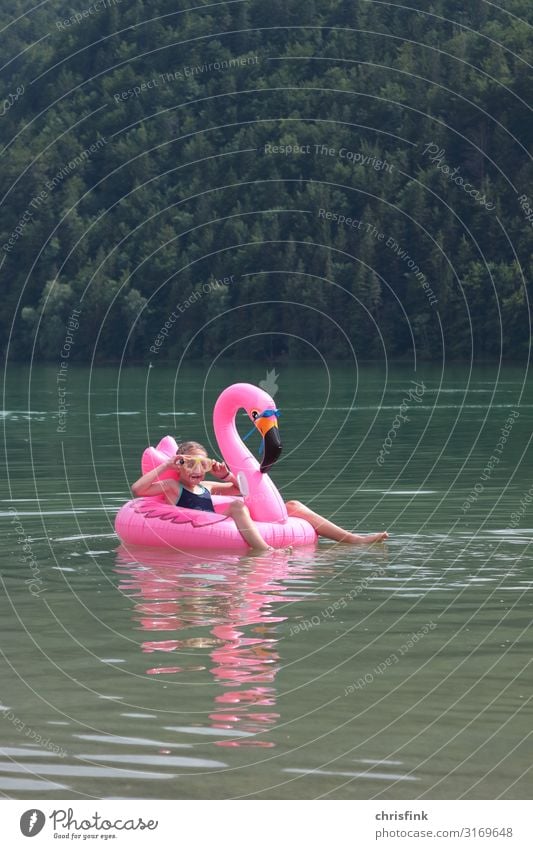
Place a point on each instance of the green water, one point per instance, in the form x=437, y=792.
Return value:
x=151, y=675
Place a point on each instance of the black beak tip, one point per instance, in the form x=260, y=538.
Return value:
x=273, y=448
x=268, y=462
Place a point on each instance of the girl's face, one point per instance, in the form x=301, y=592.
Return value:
x=191, y=474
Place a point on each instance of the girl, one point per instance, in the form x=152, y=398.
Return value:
x=190, y=491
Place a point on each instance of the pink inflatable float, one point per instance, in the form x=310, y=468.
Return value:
x=153, y=521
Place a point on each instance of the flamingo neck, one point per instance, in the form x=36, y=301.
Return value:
x=234, y=451
x=261, y=496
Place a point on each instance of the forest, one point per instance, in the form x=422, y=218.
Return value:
x=266, y=180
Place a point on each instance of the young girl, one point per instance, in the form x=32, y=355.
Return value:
x=190, y=491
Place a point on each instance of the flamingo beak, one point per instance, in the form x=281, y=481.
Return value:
x=270, y=433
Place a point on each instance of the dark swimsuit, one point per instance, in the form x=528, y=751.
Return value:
x=195, y=502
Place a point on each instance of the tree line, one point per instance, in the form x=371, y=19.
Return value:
x=359, y=172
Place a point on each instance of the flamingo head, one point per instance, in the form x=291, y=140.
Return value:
x=266, y=421
x=260, y=408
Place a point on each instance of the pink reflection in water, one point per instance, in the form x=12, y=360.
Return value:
x=181, y=591
x=168, y=670
x=234, y=744
x=258, y=696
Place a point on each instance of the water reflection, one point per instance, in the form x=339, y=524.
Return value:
x=227, y=603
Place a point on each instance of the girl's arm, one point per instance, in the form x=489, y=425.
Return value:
x=226, y=483
x=227, y=487
x=147, y=484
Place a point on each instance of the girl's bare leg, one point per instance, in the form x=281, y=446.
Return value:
x=326, y=528
x=246, y=526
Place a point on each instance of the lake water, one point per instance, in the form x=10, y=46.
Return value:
x=394, y=671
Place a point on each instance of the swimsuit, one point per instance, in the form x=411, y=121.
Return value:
x=195, y=502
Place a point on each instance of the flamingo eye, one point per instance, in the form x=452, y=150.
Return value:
x=254, y=414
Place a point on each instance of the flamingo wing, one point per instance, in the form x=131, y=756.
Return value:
x=153, y=509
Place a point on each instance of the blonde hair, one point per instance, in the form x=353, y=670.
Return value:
x=190, y=447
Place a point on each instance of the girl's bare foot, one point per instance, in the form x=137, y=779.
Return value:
x=367, y=538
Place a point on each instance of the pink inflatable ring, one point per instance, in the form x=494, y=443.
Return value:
x=153, y=521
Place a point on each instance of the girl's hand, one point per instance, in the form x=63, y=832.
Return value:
x=220, y=471
x=174, y=462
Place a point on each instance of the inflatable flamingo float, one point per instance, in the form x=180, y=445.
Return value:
x=153, y=521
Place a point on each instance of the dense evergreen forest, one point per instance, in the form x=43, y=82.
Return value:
x=266, y=179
